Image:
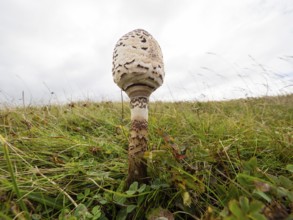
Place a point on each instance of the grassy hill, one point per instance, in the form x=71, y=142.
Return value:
x=206, y=160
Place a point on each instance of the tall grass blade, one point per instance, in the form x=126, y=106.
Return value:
x=14, y=183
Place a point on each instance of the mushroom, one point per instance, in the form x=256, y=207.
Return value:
x=138, y=69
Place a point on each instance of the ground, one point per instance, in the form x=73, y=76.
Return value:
x=206, y=160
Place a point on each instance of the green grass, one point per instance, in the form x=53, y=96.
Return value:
x=206, y=160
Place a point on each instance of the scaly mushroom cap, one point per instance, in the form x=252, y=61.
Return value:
x=138, y=67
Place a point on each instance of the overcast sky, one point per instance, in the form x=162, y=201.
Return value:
x=61, y=50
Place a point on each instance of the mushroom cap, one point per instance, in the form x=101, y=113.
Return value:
x=138, y=67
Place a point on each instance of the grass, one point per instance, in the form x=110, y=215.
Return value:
x=210, y=160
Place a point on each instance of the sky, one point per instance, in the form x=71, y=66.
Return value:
x=61, y=50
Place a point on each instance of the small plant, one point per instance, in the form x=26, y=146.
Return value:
x=243, y=210
x=274, y=192
x=81, y=212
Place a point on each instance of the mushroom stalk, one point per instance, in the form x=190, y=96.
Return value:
x=137, y=168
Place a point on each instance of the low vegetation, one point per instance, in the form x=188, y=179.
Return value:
x=206, y=160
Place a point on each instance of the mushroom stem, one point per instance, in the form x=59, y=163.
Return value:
x=137, y=165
